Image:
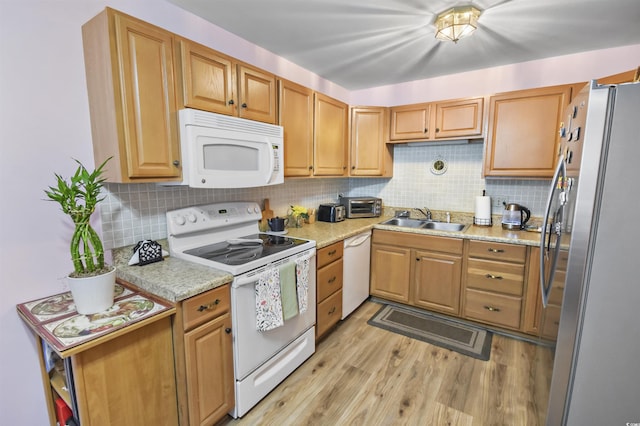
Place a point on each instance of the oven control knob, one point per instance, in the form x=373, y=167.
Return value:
x=256, y=210
x=179, y=220
x=192, y=218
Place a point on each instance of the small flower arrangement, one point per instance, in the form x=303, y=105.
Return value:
x=297, y=216
x=299, y=211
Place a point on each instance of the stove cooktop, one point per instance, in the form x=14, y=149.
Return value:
x=239, y=251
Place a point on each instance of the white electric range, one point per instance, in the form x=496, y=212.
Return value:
x=225, y=236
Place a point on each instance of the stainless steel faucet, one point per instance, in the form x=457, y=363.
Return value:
x=425, y=212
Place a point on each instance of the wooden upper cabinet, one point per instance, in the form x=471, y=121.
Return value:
x=330, y=136
x=369, y=154
x=130, y=80
x=462, y=118
x=410, y=122
x=256, y=94
x=208, y=79
x=522, y=136
x=623, y=77
x=455, y=119
x=214, y=82
x=295, y=111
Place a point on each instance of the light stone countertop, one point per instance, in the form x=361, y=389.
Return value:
x=176, y=279
x=172, y=279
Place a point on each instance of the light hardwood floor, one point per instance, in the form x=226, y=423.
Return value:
x=363, y=375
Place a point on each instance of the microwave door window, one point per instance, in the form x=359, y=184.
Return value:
x=231, y=158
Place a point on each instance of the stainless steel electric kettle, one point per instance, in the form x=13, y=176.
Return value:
x=515, y=216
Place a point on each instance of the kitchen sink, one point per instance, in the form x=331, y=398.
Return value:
x=405, y=222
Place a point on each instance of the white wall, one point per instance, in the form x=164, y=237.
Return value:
x=44, y=122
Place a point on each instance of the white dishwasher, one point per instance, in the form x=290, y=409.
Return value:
x=355, y=275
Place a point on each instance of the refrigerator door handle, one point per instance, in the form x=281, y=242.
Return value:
x=559, y=179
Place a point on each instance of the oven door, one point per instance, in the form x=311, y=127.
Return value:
x=252, y=348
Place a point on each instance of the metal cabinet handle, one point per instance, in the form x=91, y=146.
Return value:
x=426, y=130
x=492, y=309
x=231, y=102
x=333, y=309
x=227, y=330
x=209, y=306
x=437, y=130
x=176, y=163
x=493, y=277
x=310, y=167
x=492, y=250
x=332, y=279
x=332, y=252
x=243, y=105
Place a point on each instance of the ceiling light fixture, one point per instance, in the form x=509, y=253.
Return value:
x=456, y=23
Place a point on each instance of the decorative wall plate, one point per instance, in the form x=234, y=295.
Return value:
x=439, y=166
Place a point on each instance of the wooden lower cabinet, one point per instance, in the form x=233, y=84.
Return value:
x=437, y=281
x=390, y=270
x=546, y=328
x=495, y=283
x=419, y=270
x=329, y=288
x=204, y=358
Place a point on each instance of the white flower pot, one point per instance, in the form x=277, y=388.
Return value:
x=93, y=294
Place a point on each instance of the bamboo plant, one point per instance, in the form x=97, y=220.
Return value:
x=78, y=198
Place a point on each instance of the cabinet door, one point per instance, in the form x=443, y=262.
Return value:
x=256, y=94
x=410, y=122
x=296, y=117
x=461, y=118
x=129, y=380
x=437, y=281
x=330, y=136
x=145, y=54
x=207, y=79
x=390, y=272
x=209, y=363
x=130, y=81
x=370, y=155
x=522, y=138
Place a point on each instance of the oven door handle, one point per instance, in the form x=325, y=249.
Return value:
x=253, y=277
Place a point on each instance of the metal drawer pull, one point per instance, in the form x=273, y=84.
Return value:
x=492, y=250
x=332, y=252
x=332, y=279
x=492, y=309
x=209, y=306
x=493, y=277
x=332, y=310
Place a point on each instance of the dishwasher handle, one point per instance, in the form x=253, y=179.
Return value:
x=357, y=241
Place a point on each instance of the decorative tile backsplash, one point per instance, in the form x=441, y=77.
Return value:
x=133, y=212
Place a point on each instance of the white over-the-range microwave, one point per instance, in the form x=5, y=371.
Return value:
x=220, y=151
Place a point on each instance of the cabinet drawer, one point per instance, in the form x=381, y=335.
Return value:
x=501, y=277
x=493, y=308
x=206, y=306
x=329, y=279
x=551, y=322
x=329, y=313
x=497, y=251
x=557, y=289
x=330, y=253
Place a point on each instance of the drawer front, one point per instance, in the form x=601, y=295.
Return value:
x=497, y=251
x=329, y=279
x=329, y=313
x=497, y=309
x=501, y=277
x=206, y=306
x=551, y=322
x=329, y=254
x=557, y=289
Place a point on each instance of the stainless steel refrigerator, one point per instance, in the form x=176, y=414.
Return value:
x=593, y=213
